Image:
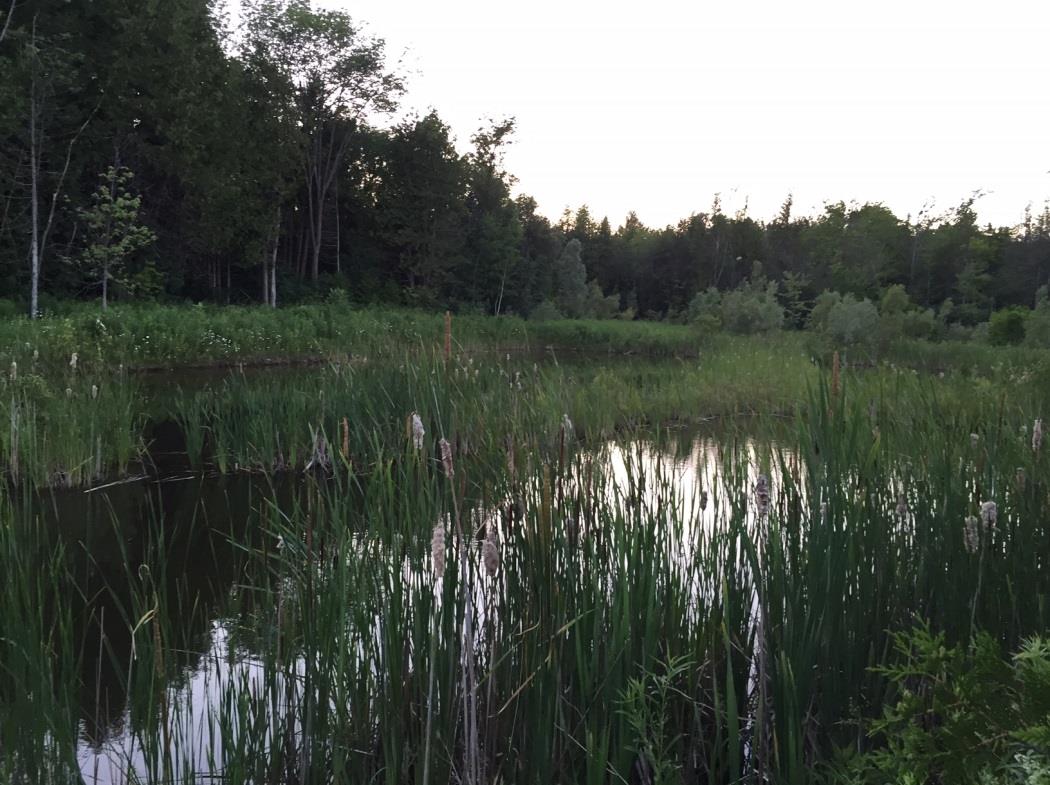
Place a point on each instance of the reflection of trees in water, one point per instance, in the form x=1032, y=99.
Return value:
x=187, y=532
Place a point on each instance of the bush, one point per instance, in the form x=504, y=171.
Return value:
x=1037, y=328
x=705, y=310
x=960, y=715
x=818, y=317
x=753, y=308
x=1007, y=326
x=852, y=322
x=546, y=311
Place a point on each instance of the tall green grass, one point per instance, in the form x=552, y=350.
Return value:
x=628, y=627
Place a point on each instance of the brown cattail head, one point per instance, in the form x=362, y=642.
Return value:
x=762, y=495
x=446, y=458
x=902, y=507
x=1037, y=435
x=511, y=467
x=346, y=437
x=989, y=515
x=490, y=551
x=418, y=432
x=437, y=550
x=703, y=500
x=971, y=534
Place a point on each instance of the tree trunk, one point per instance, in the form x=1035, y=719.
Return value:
x=34, y=166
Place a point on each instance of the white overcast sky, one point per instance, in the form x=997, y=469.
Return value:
x=656, y=105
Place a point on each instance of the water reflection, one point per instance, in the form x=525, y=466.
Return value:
x=203, y=525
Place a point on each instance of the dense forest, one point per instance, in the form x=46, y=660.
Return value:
x=152, y=150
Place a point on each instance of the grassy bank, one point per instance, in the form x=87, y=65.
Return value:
x=172, y=336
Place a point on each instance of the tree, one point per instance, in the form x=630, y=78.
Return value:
x=421, y=203
x=570, y=281
x=494, y=231
x=331, y=76
x=113, y=228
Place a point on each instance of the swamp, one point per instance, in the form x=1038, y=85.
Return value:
x=441, y=561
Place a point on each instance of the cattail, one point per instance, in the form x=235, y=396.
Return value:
x=511, y=467
x=1021, y=478
x=14, y=370
x=346, y=437
x=703, y=500
x=446, y=458
x=975, y=440
x=902, y=507
x=73, y=361
x=418, y=432
x=989, y=515
x=448, y=336
x=490, y=551
x=762, y=495
x=94, y=391
x=971, y=534
x=437, y=550
x=1037, y=435
x=566, y=425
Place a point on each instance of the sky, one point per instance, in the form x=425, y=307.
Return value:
x=656, y=106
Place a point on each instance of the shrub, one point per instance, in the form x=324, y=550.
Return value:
x=960, y=715
x=1037, y=328
x=852, y=322
x=818, y=317
x=1007, y=326
x=546, y=311
x=753, y=308
x=705, y=310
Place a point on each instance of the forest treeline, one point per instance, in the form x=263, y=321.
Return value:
x=148, y=152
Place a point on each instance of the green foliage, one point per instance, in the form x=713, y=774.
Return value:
x=960, y=715
x=546, y=311
x=114, y=234
x=1037, y=325
x=752, y=308
x=705, y=310
x=570, y=281
x=850, y=322
x=648, y=704
x=1007, y=326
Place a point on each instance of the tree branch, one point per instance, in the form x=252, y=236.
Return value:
x=7, y=19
